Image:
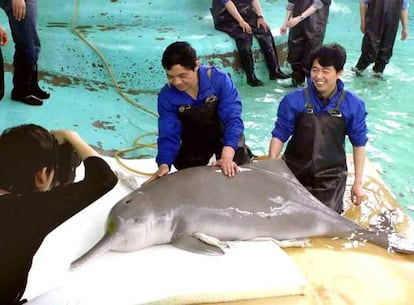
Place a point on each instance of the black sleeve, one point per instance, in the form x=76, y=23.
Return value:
x=63, y=202
x=27, y=219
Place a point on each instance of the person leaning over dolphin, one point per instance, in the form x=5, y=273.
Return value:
x=318, y=118
x=200, y=115
x=31, y=205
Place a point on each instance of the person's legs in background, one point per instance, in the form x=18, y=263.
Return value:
x=244, y=47
x=27, y=49
x=268, y=47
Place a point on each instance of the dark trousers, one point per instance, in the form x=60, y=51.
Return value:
x=375, y=50
x=24, y=33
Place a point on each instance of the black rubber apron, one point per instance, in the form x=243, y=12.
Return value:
x=202, y=136
x=316, y=153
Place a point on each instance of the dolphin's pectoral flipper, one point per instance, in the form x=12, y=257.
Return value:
x=193, y=244
x=211, y=240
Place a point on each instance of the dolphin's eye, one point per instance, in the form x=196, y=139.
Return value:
x=128, y=201
x=111, y=227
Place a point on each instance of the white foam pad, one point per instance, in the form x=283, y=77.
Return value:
x=157, y=274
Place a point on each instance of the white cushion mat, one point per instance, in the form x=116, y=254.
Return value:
x=164, y=274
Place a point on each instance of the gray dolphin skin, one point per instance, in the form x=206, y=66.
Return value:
x=263, y=200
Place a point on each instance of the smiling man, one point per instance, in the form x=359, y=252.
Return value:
x=316, y=120
x=200, y=115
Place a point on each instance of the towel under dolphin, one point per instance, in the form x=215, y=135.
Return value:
x=264, y=200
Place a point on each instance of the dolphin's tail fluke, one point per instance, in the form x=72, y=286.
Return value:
x=401, y=243
x=373, y=236
x=106, y=243
x=392, y=241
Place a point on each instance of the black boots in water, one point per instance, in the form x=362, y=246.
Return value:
x=34, y=87
x=25, y=87
x=246, y=59
x=278, y=74
x=267, y=45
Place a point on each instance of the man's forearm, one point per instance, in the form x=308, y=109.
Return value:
x=232, y=9
x=359, y=162
x=275, y=148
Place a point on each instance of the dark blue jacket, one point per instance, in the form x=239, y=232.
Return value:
x=352, y=108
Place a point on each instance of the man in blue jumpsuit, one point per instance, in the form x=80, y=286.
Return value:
x=379, y=24
x=307, y=21
x=317, y=119
x=242, y=19
x=22, y=16
x=199, y=115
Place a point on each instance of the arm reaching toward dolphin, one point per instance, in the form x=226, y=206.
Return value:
x=226, y=163
x=357, y=193
x=162, y=171
x=275, y=148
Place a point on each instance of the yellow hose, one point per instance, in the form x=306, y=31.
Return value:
x=137, y=145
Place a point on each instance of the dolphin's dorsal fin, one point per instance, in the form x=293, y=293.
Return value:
x=193, y=244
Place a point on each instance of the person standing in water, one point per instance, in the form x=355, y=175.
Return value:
x=306, y=21
x=379, y=24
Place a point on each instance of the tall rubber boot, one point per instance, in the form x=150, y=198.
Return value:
x=298, y=76
x=268, y=48
x=246, y=59
x=34, y=86
x=22, y=79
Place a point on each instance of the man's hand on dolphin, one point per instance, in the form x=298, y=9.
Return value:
x=162, y=171
x=228, y=167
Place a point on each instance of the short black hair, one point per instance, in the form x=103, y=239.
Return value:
x=24, y=150
x=179, y=53
x=329, y=55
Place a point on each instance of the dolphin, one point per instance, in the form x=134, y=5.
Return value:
x=263, y=200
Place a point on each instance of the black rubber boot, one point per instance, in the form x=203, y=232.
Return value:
x=278, y=74
x=22, y=79
x=268, y=48
x=34, y=87
x=246, y=59
x=298, y=78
